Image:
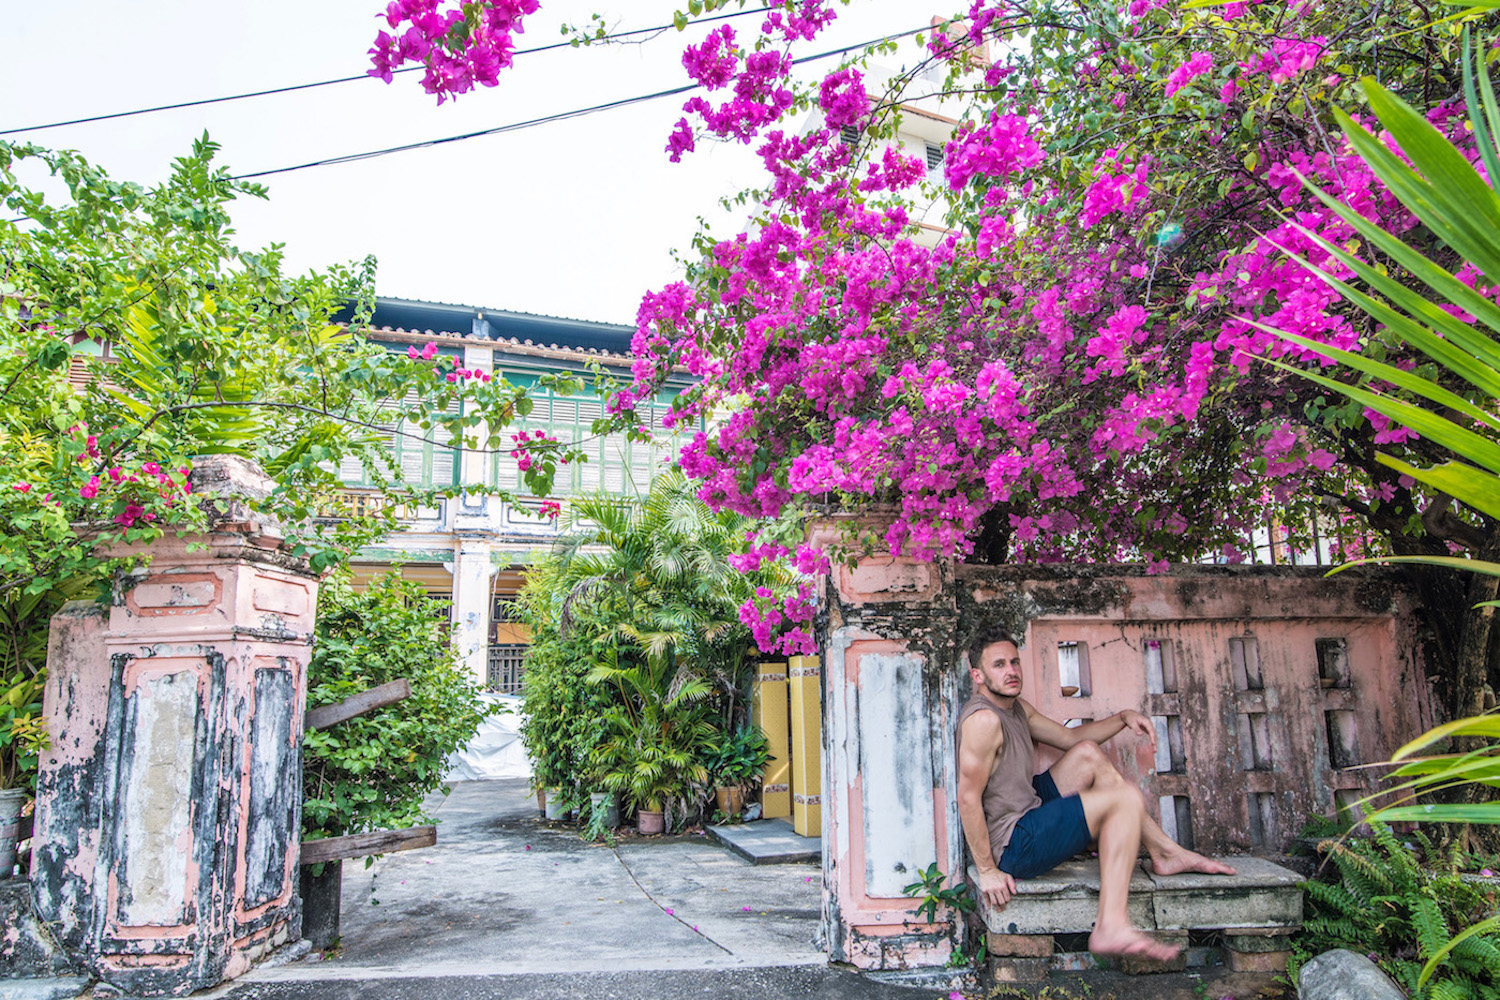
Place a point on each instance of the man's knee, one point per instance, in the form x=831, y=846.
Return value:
x=1086, y=750
x=1126, y=797
x=1091, y=756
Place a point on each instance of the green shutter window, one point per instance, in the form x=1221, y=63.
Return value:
x=427, y=458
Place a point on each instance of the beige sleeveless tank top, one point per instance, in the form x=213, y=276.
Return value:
x=1008, y=795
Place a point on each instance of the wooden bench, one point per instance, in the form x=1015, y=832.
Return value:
x=1255, y=912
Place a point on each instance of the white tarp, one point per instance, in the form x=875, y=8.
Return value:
x=496, y=750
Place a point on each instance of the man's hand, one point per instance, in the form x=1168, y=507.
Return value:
x=1139, y=724
x=996, y=888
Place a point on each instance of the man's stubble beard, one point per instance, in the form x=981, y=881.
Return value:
x=1002, y=694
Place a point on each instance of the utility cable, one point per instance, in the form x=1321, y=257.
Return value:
x=561, y=116
x=348, y=79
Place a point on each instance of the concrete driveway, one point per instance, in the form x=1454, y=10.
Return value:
x=509, y=907
x=506, y=893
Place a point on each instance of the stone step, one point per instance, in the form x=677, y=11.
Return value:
x=1065, y=900
x=1256, y=909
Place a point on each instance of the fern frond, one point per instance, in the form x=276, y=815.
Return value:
x=1431, y=929
x=1451, y=989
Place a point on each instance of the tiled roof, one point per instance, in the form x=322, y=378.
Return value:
x=405, y=320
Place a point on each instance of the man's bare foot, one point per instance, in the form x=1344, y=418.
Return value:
x=1188, y=861
x=1127, y=942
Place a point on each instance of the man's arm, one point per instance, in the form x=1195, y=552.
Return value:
x=982, y=737
x=1055, y=734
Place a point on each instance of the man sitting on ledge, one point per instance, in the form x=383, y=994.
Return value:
x=1020, y=825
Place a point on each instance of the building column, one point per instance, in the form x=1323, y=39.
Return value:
x=471, y=606
x=768, y=710
x=804, y=682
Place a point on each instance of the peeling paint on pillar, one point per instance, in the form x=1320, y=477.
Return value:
x=169, y=805
x=893, y=632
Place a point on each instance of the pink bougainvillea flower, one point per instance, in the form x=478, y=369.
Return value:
x=23, y=487
x=429, y=351
x=1196, y=65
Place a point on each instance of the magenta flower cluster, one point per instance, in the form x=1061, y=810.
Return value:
x=461, y=43
x=1053, y=371
x=876, y=372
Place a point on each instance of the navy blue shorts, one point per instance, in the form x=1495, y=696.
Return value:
x=1048, y=835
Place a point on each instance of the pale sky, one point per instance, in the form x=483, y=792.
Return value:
x=575, y=218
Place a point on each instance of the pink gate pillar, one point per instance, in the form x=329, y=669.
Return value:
x=170, y=803
x=889, y=772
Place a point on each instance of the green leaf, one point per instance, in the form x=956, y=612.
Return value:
x=1482, y=114
x=1487, y=813
x=1449, y=287
x=1488, y=378
x=1451, y=562
x=1462, y=482
x=1426, y=423
x=1487, y=726
x=1483, y=927
x=1453, y=200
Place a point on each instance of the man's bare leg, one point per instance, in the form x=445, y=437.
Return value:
x=1085, y=767
x=1114, y=818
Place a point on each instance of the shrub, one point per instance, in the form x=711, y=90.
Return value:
x=372, y=772
x=1384, y=903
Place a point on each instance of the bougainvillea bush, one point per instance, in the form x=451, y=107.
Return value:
x=1067, y=373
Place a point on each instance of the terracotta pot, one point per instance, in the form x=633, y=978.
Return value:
x=730, y=799
x=11, y=801
x=650, y=823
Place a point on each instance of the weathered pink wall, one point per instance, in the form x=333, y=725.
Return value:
x=1258, y=752
x=169, y=806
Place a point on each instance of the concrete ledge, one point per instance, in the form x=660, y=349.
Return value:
x=1257, y=909
x=42, y=989
x=767, y=842
x=1063, y=901
x=1262, y=894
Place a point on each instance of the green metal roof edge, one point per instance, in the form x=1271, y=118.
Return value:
x=382, y=554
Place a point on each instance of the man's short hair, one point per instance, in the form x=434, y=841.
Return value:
x=985, y=638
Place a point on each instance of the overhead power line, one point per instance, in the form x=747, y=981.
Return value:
x=342, y=79
x=561, y=116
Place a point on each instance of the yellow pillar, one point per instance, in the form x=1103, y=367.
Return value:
x=803, y=685
x=768, y=711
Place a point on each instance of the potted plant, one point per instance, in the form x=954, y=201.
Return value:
x=737, y=765
x=654, y=737
x=22, y=738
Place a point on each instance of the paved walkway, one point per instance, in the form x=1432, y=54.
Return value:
x=504, y=892
x=508, y=907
